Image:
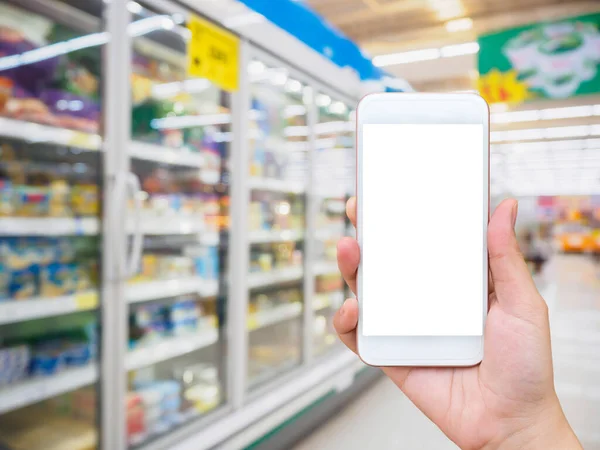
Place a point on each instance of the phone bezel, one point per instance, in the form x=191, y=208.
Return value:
x=422, y=108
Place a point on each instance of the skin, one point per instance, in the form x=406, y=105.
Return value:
x=506, y=402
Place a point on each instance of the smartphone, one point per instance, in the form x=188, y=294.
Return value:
x=422, y=215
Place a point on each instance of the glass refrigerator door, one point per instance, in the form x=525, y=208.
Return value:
x=50, y=175
x=179, y=152
x=277, y=178
x=333, y=170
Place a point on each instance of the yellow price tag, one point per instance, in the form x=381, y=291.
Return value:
x=86, y=300
x=213, y=53
x=83, y=140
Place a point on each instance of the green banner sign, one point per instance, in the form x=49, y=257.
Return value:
x=547, y=60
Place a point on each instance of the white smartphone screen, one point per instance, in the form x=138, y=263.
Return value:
x=423, y=212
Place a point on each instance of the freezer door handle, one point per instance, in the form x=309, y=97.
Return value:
x=137, y=244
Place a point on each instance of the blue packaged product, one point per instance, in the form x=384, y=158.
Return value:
x=77, y=354
x=4, y=280
x=46, y=361
x=58, y=279
x=23, y=283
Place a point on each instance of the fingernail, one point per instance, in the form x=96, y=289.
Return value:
x=514, y=212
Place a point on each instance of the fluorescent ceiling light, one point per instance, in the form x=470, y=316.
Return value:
x=463, y=24
x=532, y=115
x=468, y=48
x=534, y=134
x=406, y=57
x=449, y=51
x=256, y=68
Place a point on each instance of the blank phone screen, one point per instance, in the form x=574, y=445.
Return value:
x=423, y=211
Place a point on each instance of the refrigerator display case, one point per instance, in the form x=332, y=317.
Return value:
x=50, y=234
x=167, y=248
x=179, y=154
x=333, y=173
x=278, y=175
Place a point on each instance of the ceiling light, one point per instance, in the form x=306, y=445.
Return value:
x=463, y=24
x=545, y=133
x=568, y=112
x=468, y=48
x=406, y=57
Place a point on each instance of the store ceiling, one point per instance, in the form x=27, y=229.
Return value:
x=532, y=154
x=380, y=26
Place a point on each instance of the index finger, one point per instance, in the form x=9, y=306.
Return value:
x=351, y=210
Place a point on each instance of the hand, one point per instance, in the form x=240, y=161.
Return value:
x=508, y=401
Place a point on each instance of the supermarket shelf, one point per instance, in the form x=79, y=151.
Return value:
x=35, y=390
x=37, y=308
x=275, y=185
x=266, y=236
x=278, y=314
x=33, y=132
x=90, y=226
x=48, y=226
x=274, y=277
x=170, y=348
x=325, y=268
x=40, y=307
x=145, y=291
x=161, y=154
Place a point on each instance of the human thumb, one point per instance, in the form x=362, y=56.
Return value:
x=513, y=285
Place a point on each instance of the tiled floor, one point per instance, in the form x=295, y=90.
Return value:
x=382, y=418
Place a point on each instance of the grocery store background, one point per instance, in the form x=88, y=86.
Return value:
x=173, y=176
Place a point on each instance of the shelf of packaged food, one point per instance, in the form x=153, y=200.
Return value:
x=37, y=308
x=33, y=132
x=40, y=307
x=275, y=185
x=323, y=300
x=267, y=236
x=173, y=347
x=90, y=226
x=153, y=290
x=38, y=133
x=37, y=389
x=325, y=268
x=258, y=279
x=161, y=154
x=48, y=226
x=281, y=313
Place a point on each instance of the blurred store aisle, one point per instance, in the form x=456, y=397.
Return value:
x=383, y=418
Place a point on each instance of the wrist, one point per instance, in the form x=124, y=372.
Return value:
x=549, y=429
